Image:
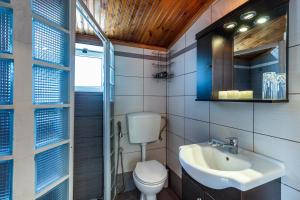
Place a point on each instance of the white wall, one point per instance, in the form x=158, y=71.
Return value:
x=137, y=91
x=269, y=129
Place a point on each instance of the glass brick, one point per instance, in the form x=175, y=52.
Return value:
x=50, y=86
x=51, y=165
x=6, y=132
x=56, y=11
x=49, y=44
x=60, y=192
x=6, y=30
x=51, y=126
x=6, y=176
x=6, y=81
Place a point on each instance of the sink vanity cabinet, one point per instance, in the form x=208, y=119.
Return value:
x=192, y=190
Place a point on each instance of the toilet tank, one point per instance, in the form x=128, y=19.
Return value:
x=143, y=127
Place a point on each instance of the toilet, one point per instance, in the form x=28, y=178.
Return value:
x=149, y=176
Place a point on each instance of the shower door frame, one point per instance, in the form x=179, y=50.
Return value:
x=106, y=96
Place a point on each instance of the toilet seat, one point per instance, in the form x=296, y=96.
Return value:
x=150, y=172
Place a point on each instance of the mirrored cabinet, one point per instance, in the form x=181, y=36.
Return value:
x=243, y=56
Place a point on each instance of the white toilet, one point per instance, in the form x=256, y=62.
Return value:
x=149, y=176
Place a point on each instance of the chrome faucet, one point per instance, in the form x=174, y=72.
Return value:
x=232, y=145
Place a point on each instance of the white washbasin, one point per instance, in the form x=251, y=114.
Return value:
x=217, y=168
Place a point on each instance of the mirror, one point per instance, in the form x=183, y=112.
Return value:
x=259, y=58
x=243, y=56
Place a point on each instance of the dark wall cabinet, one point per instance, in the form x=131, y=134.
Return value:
x=247, y=65
x=214, y=61
x=192, y=190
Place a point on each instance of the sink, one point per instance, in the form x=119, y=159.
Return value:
x=216, y=168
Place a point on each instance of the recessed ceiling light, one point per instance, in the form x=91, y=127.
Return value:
x=248, y=15
x=262, y=20
x=230, y=25
x=243, y=29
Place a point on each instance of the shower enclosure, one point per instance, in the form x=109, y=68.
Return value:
x=108, y=105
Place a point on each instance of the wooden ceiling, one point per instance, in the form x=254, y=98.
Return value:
x=269, y=33
x=150, y=22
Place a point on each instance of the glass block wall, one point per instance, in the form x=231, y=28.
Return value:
x=58, y=193
x=6, y=132
x=6, y=170
x=51, y=96
x=6, y=102
x=50, y=86
x=51, y=165
x=51, y=126
x=6, y=27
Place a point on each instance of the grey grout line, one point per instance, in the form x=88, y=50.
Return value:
x=292, y=46
x=280, y=138
x=129, y=76
x=231, y=127
x=290, y=187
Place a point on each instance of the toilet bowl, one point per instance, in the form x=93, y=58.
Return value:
x=149, y=177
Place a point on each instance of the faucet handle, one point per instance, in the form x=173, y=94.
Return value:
x=233, y=140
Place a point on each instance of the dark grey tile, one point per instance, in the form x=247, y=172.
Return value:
x=88, y=127
x=175, y=183
x=165, y=194
x=85, y=148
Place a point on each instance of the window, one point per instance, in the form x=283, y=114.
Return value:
x=88, y=68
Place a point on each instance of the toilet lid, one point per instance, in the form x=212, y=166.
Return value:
x=150, y=171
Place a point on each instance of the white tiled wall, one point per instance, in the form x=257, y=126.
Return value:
x=269, y=129
x=137, y=91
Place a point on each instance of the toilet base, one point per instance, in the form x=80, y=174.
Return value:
x=149, y=197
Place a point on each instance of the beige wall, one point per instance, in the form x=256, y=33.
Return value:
x=269, y=129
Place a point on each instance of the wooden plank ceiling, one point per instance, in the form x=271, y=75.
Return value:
x=150, y=22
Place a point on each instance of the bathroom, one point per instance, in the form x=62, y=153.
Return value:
x=123, y=100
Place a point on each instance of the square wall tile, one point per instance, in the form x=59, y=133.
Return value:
x=196, y=109
x=221, y=132
x=190, y=84
x=196, y=131
x=176, y=86
x=283, y=150
x=123, y=120
x=173, y=162
x=177, y=65
x=222, y=7
x=128, y=104
x=156, y=87
x=176, y=125
x=128, y=85
x=151, y=68
x=155, y=104
x=175, y=105
x=279, y=120
x=157, y=154
x=174, y=142
x=190, y=59
x=129, y=161
x=159, y=144
x=294, y=26
x=126, y=66
x=127, y=145
x=294, y=69
x=202, y=22
x=288, y=193
x=233, y=114
x=179, y=45
x=128, y=49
